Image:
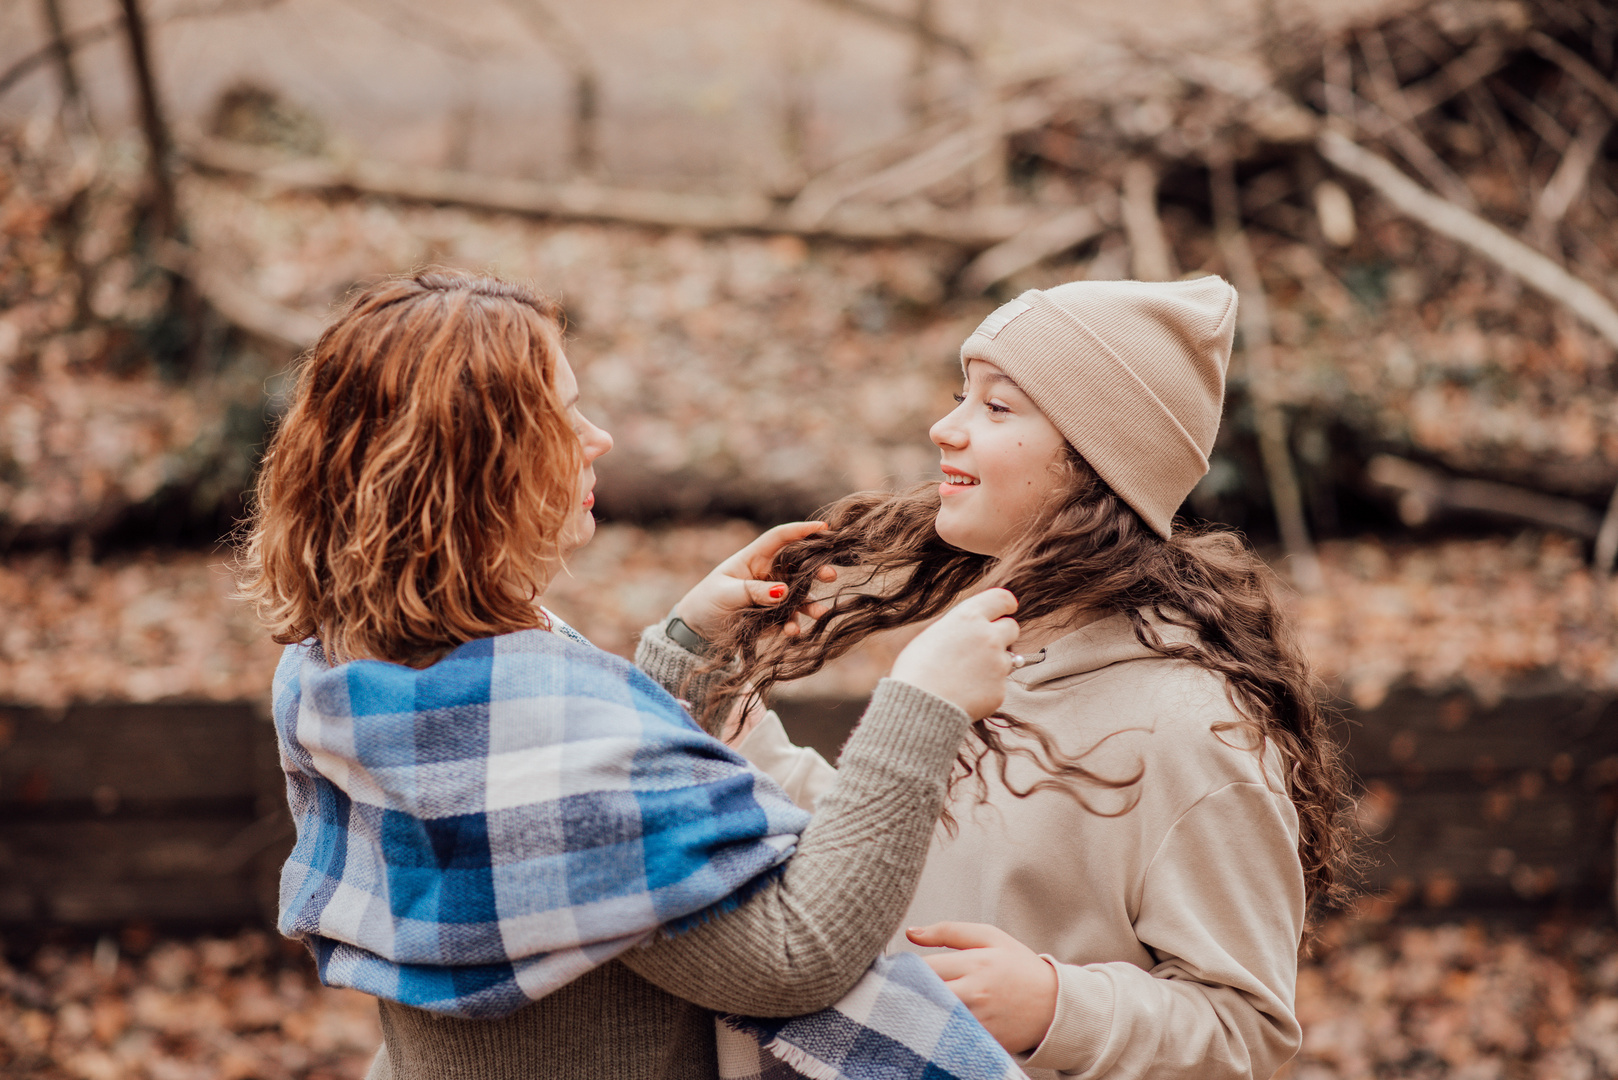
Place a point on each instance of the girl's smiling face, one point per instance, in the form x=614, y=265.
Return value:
x=997, y=452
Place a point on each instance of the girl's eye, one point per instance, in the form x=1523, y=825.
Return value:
x=997, y=408
x=958, y=398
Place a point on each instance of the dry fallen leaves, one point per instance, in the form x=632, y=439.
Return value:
x=1456, y=1000
x=230, y=1008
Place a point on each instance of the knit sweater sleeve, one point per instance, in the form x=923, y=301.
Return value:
x=803, y=940
x=672, y=668
x=1221, y=910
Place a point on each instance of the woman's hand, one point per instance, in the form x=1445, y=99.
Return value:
x=739, y=582
x=962, y=657
x=1004, y=983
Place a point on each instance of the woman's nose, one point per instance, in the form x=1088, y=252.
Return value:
x=597, y=441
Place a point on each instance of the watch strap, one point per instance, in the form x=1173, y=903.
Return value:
x=685, y=637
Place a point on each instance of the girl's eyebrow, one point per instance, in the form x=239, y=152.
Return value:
x=1001, y=377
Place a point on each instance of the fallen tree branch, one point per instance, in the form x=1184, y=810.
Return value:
x=1606, y=547
x=947, y=149
x=1456, y=77
x=973, y=229
x=1253, y=317
x=1150, y=256
x=1533, y=268
x=922, y=31
x=1571, y=176
x=1578, y=67
x=239, y=305
x=1030, y=247
x=28, y=63
x=1401, y=129
x=1425, y=494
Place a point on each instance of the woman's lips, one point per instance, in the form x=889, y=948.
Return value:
x=589, y=499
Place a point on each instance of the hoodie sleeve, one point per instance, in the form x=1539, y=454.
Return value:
x=1221, y=911
x=800, y=770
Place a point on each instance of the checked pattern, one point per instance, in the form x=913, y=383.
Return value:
x=478, y=833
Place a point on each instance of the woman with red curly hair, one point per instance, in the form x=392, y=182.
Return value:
x=522, y=845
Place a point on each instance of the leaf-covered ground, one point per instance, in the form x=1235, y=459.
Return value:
x=1464, y=1001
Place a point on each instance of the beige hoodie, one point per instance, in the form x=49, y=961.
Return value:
x=1174, y=925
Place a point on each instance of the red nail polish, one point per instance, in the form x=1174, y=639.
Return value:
x=777, y=591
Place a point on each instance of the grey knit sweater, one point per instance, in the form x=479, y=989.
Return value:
x=794, y=947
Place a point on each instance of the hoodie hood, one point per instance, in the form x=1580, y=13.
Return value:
x=1100, y=644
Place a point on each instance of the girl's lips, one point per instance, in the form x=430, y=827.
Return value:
x=589, y=499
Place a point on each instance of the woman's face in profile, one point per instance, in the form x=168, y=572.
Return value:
x=594, y=441
x=997, y=450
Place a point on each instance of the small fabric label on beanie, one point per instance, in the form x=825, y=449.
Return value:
x=999, y=317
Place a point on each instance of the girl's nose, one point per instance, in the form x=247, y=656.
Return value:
x=946, y=432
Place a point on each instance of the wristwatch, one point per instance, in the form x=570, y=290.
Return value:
x=685, y=637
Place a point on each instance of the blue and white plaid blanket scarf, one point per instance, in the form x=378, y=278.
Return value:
x=478, y=833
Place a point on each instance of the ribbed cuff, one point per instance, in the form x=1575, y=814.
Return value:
x=671, y=667
x=1083, y=1021
x=909, y=730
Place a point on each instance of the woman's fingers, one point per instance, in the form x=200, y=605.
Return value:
x=759, y=556
x=957, y=935
x=950, y=966
x=962, y=657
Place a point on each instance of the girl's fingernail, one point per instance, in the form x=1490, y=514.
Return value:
x=777, y=591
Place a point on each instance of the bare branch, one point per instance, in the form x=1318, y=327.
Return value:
x=1444, y=217
x=1149, y=252
x=904, y=24
x=568, y=48
x=938, y=153
x=28, y=63
x=1402, y=129
x=158, y=146
x=1032, y=246
x=1578, y=67
x=1424, y=494
x=1466, y=71
x=1571, y=176
x=239, y=305
x=1606, y=546
x=1253, y=315
x=974, y=229
x=1534, y=115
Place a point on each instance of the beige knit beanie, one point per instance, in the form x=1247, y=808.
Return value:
x=1132, y=373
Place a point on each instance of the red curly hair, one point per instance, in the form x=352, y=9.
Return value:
x=413, y=496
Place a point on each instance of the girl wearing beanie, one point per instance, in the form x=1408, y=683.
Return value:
x=1118, y=887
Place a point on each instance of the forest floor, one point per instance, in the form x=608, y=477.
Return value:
x=1460, y=1000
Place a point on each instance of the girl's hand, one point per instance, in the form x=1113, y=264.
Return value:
x=739, y=582
x=962, y=657
x=1004, y=983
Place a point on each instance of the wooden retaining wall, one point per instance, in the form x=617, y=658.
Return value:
x=175, y=814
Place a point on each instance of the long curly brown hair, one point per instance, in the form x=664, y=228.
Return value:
x=413, y=494
x=1088, y=552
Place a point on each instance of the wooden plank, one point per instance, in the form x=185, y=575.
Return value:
x=1455, y=734
x=107, y=872
x=112, y=755
x=1475, y=805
